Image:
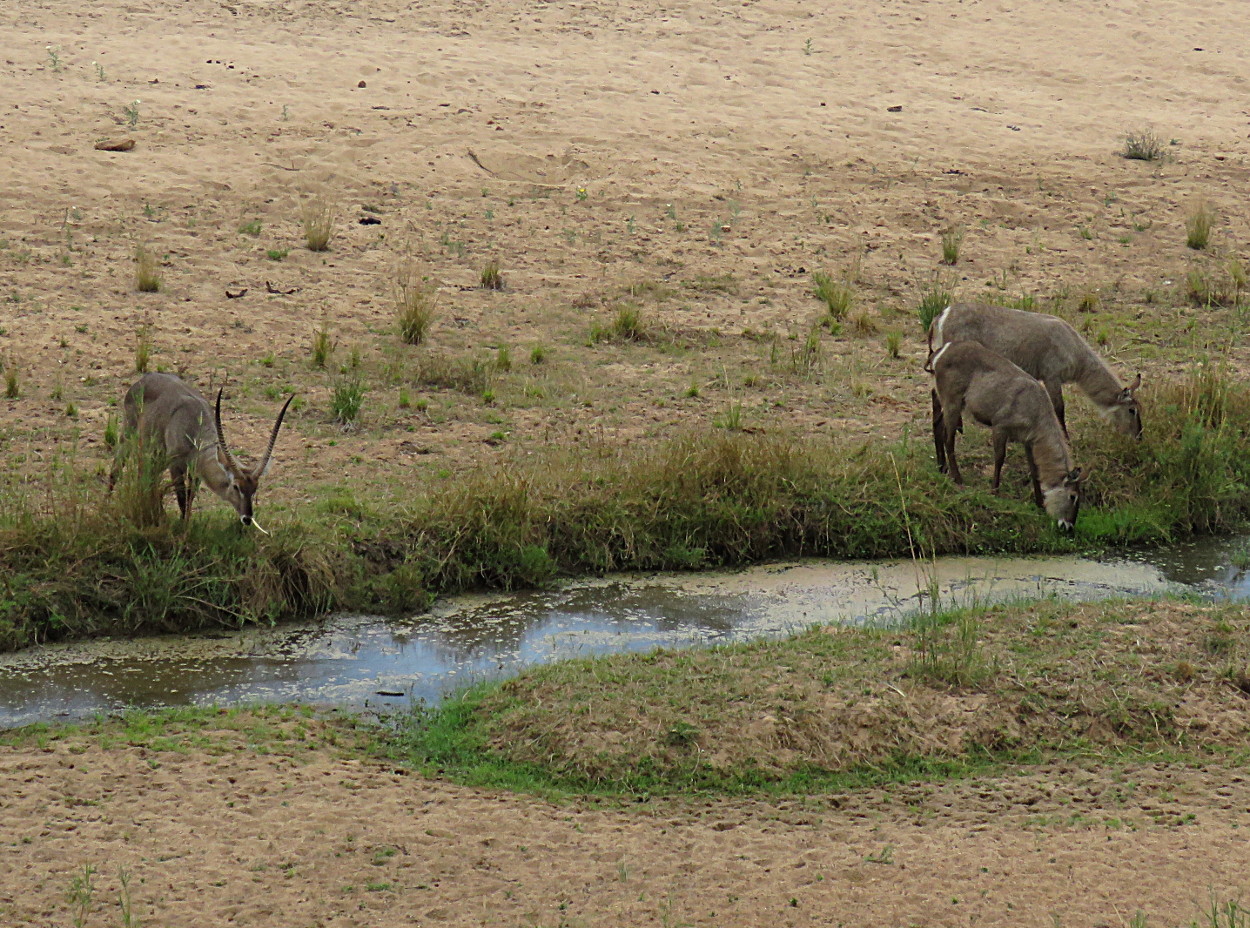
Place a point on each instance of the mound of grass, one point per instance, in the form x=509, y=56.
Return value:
x=92, y=572
x=1142, y=145
x=840, y=706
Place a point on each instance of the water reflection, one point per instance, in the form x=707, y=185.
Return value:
x=365, y=661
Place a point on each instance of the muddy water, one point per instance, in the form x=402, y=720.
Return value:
x=374, y=663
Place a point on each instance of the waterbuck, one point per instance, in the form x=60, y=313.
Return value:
x=998, y=394
x=1047, y=348
x=164, y=409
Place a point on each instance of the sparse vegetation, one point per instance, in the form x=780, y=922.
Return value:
x=147, y=278
x=1142, y=145
x=952, y=239
x=491, y=278
x=1198, y=225
x=416, y=303
x=322, y=345
x=932, y=302
x=143, y=347
x=347, y=398
x=318, y=213
x=836, y=293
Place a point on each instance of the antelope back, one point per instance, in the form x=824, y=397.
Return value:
x=162, y=406
x=1045, y=347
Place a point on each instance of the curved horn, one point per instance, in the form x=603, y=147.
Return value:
x=221, y=436
x=273, y=438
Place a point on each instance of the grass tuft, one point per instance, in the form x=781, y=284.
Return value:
x=1142, y=145
x=322, y=345
x=491, y=278
x=318, y=215
x=932, y=302
x=1198, y=225
x=416, y=303
x=143, y=347
x=952, y=239
x=147, y=278
x=347, y=397
x=835, y=292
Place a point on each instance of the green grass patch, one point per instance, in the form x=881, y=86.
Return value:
x=74, y=563
x=951, y=694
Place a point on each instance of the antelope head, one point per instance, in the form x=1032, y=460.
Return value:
x=1125, y=412
x=239, y=483
x=1063, y=501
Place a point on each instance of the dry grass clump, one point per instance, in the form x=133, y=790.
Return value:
x=470, y=375
x=318, y=214
x=1216, y=284
x=143, y=347
x=863, y=323
x=952, y=238
x=1142, y=145
x=12, y=386
x=416, y=302
x=1198, y=225
x=628, y=323
x=491, y=278
x=147, y=278
x=139, y=481
x=322, y=345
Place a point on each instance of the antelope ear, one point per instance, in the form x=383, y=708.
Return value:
x=1077, y=475
x=1136, y=384
x=223, y=458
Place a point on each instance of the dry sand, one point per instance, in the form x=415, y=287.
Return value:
x=722, y=157
x=308, y=838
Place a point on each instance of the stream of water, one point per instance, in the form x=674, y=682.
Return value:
x=369, y=662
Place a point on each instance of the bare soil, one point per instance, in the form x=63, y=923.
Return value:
x=698, y=160
x=301, y=835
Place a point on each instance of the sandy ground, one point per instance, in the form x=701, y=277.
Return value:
x=699, y=158
x=709, y=155
x=312, y=839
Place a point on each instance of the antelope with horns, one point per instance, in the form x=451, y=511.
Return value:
x=998, y=394
x=1046, y=348
x=162, y=408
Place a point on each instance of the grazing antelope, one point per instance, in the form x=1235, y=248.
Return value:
x=1047, y=348
x=998, y=394
x=165, y=409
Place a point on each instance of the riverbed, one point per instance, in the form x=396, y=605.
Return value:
x=380, y=664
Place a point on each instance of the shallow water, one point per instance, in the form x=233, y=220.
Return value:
x=379, y=663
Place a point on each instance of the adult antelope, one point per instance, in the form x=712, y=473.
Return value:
x=164, y=409
x=970, y=377
x=1047, y=348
